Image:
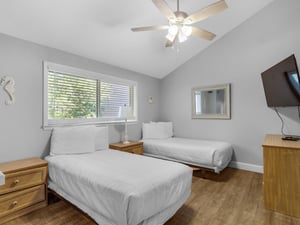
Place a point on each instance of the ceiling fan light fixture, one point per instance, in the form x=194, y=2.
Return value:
x=172, y=32
x=183, y=32
x=181, y=37
x=170, y=37
x=173, y=29
x=186, y=30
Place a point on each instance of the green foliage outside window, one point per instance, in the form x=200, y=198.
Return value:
x=72, y=97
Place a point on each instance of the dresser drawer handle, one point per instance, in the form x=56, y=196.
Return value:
x=14, y=203
x=16, y=181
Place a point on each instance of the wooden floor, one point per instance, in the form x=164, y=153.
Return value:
x=231, y=198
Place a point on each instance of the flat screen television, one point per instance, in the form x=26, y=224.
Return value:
x=281, y=83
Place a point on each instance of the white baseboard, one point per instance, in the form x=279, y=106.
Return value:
x=246, y=166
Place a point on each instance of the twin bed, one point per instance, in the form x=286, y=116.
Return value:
x=159, y=142
x=114, y=187
x=117, y=188
x=213, y=155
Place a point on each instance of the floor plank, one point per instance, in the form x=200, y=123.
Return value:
x=232, y=198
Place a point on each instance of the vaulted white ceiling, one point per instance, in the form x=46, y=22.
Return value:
x=100, y=30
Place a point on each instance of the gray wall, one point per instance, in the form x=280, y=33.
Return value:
x=21, y=134
x=238, y=58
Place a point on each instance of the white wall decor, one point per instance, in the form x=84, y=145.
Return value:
x=8, y=84
x=150, y=99
x=211, y=102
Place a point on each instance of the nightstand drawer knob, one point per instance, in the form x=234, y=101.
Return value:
x=14, y=203
x=16, y=181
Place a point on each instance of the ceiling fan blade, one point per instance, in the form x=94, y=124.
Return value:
x=149, y=28
x=164, y=9
x=204, y=34
x=206, y=12
x=169, y=42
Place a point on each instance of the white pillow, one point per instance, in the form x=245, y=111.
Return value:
x=101, y=139
x=159, y=130
x=73, y=140
x=168, y=126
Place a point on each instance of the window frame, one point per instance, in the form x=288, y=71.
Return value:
x=73, y=71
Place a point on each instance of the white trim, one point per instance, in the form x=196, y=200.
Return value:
x=247, y=166
x=45, y=94
x=54, y=67
x=51, y=126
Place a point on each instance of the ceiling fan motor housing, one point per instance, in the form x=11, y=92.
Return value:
x=180, y=16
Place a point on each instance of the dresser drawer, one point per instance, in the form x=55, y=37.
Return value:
x=18, y=200
x=23, y=179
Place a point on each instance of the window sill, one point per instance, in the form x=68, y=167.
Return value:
x=102, y=123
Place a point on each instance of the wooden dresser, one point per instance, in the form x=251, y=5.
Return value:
x=25, y=187
x=281, y=175
x=134, y=147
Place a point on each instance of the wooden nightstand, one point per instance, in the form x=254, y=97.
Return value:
x=25, y=187
x=133, y=147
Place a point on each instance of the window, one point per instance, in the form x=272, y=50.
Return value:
x=75, y=96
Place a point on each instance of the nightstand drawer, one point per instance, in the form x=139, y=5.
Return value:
x=137, y=150
x=23, y=179
x=134, y=147
x=25, y=188
x=21, y=199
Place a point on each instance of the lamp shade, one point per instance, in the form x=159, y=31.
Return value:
x=125, y=111
x=122, y=112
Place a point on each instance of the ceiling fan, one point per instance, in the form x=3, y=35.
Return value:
x=179, y=22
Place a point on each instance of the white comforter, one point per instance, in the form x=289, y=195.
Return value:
x=211, y=154
x=121, y=188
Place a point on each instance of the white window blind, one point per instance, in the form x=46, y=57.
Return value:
x=74, y=96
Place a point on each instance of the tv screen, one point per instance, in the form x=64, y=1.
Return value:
x=281, y=83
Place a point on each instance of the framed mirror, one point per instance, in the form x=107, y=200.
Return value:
x=211, y=102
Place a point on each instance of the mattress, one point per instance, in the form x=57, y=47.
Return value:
x=118, y=188
x=214, y=155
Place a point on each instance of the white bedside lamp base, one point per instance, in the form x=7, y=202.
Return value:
x=126, y=134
